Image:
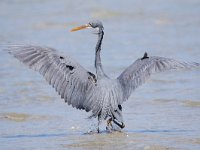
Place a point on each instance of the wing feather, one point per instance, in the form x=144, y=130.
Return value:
x=137, y=73
x=69, y=79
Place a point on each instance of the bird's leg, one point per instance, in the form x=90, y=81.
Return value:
x=98, y=128
x=99, y=121
x=109, y=123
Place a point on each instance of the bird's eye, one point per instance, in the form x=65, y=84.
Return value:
x=91, y=24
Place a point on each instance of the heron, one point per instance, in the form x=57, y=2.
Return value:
x=93, y=92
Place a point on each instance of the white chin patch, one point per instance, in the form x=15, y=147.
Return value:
x=97, y=28
x=96, y=31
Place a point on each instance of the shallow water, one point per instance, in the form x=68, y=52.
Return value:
x=162, y=114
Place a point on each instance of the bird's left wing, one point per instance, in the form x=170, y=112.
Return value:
x=137, y=73
x=70, y=79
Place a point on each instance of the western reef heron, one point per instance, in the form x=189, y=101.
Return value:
x=85, y=90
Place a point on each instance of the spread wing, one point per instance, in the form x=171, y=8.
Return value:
x=69, y=79
x=137, y=73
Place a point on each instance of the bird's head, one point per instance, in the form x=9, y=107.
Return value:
x=92, y=24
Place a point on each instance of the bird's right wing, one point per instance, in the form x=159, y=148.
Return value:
x=70, y=79
x=137, y=73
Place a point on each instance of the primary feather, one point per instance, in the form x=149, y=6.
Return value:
x=138, y=72
x=69, y=79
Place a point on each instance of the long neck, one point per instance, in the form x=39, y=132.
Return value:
x=99, y=70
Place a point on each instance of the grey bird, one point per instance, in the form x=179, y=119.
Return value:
x=85, y=90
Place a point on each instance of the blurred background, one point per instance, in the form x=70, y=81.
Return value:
x=161, y=114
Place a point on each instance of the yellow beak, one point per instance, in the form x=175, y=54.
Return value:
x=81, y=27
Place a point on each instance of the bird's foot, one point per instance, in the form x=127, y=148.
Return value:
x=109, y=129
x=98, y=131
x=95, y=131
x=109, y=126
